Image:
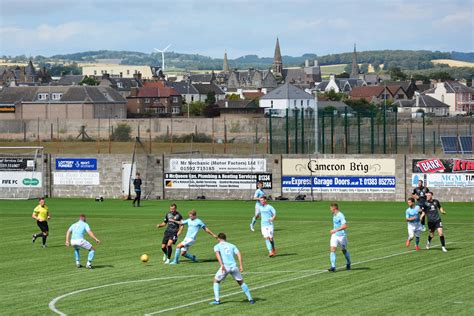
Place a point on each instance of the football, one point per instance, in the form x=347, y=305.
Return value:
x=144, y=258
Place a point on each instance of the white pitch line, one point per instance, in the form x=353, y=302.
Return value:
x=276, y=283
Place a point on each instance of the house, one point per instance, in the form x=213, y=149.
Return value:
x=287, y=96
x=338, y=85
x=61, y=102
x=409, y=87
x=251, y=79
x=459, y=97
x=23, y=76
x=378, y=94
x=425, y=103
x=122, y=85
x=154, y=98
x=205, y=88
x=207, y=78
x=186, y=89
x=123, y=71
x=239, y=107
x=70, y=80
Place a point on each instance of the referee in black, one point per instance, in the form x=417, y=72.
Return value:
x=419, y=194
x=171, y=233
x=137, y=183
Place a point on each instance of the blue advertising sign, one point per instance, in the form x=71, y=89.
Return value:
x=76, y=164
x=303, y=184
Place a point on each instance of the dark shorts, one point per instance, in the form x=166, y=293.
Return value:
x=432, y=226
x=170, y=236
x=43, y=226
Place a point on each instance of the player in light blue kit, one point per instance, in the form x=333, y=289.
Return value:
x=268, y=215
x=194, y=225
x=258, y=194
x=225, y=253
x=412, y=215
x=75, y=237
x=338, y=238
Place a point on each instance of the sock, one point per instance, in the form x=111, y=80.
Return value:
x=165, y=250
x=169, y=251
x=272, y=242
x=417, y=240
x=44, y=239
x=332, y=257
x=246, y=290
x=269, y=244
x=90, y=256
x=443, y=243
x=189, y=256
x=77, y=255
x=254, y=221
x=216, y=291
x=38, y=235
x=423, y=221
x=429, y=238
x=176, y=255
x=348, y=257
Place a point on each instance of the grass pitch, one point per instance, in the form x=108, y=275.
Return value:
x=387, y=278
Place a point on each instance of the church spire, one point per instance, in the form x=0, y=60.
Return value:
x=355, y=65
x=277, y=60
x=226, y=63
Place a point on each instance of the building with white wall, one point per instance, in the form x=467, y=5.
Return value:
x=459, y=97
x=286, y=96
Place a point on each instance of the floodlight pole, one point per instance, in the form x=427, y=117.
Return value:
x=316, y=145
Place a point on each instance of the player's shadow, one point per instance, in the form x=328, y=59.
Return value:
x=256, y=299
x=286, y=254
x=360, y=268
x=101, y=266
x=207, y=260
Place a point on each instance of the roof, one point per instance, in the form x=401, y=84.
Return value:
x=156, y=92
x=286, y=92
x=253, y=95
x=205, y=88
x=366, y=91
x=199, y=78
x=456, y=87
x=338, y=105
x=237, y=104
x=183, y=87
x=277, y=55
x=425, y=101
x=69, y=80
x=79, y=94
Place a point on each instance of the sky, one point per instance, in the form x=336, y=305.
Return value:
x=240, y=27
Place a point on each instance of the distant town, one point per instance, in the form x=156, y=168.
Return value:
x=107, y=88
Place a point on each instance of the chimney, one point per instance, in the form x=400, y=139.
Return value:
x=226, y=104
x=138, y=76
x=332, y=77
x=306, y=63
x=133, y=91
x=316, y=64
x=417, y=98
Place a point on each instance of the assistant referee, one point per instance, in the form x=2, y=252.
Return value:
x=41, y=215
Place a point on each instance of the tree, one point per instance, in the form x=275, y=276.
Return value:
x=364, y=68
x=196, y=108
x=343, y=75
x=441, y=75
x=361, y=106
x=122, y=133
x=89, y=81
x=397, y=74
x=333, y=95
x=233, y=97
x=211, y=98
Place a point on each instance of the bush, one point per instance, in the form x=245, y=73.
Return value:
x=186, y=138
x=122, y=133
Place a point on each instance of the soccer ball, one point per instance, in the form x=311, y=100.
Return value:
x=144, y=258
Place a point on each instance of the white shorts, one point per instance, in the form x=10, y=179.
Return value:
x=413, y=230
x=267, y=231
x=338, y=241
x=81, y=243
x=187, y=242
x=235, y=272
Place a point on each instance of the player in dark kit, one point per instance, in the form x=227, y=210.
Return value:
x=171, y=233
x=419, y=194
x=137, y=183
x=431, y=208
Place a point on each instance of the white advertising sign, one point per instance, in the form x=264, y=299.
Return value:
x=218, y=165
x=216, y=181
x=444, y=180
x=338, y=167
x=20, y=179
x=76, y=178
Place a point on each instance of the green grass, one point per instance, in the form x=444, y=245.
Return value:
x=408, y=282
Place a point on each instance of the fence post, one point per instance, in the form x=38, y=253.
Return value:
x=296, y=130
x=434, y=142
x=270, y=131
x=424, y=135
x=396, y=130
x=332, y=133
x=372, y=132
x=385, y=126
x=302, y=131
x=323, y=134
x=225, y=136
x=287, y=133
x=358, y=132
x=346, y=136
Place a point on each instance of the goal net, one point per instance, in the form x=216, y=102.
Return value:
x=21, y=172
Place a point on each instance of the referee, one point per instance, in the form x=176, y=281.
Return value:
x=41, y=215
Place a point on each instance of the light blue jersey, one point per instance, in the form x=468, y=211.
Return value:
x=413, y=212
x=227, y=252
x=267, y=212
x=338, y=220
x=78, y=230
x=193, y=227
x=258, y=194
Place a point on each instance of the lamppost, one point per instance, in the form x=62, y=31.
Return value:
x=188, y=81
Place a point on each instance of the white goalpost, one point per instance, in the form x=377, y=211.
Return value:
x=21, y=172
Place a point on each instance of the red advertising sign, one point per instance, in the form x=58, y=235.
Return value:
x=430, y=165
x=460, y=165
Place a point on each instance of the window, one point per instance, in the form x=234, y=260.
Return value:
x=192, y=98
x=301, y=102
x=42, y=96
x=119, y=85
x=294, y=103
x=147, y=100
x=175, y=110
x=95, y=72
x=400, y=96
x=175, y=100
x=307, y=102
x=56, y=96
x=271, y=103
x=128, y=71
x=161, y=110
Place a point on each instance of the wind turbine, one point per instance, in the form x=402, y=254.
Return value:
x=163, y=56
